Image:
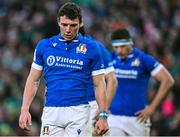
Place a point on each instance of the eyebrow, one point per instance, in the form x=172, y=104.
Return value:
x=120, y=46
x=69, y=23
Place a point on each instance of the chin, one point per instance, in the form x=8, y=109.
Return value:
x=68, y=39
x=123, y=57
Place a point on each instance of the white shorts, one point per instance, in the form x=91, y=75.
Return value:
x=91, y=121
x=127, y=126
x=64, y=121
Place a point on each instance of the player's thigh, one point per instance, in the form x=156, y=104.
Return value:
x=93, y=111
x=141, y=128
x=115, y=126
x=91, y=122
x=115, y=132
x=51, y=131
x=77, y=123
x=49, y=119
x=134, y=127
x=129, y=125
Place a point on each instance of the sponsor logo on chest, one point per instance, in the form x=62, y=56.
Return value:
x=64, y=62
x=129, y=72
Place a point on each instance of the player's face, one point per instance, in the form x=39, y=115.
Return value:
x=123, y=50
x=68, y=28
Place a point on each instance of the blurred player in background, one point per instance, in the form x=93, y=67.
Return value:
x=111, y=84
x=130, y=114
x=67, y=61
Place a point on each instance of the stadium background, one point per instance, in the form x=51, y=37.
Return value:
x=154, y=25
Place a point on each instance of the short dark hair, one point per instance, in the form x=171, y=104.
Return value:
x=120, y=34
x=71, y=10
x=82, y=30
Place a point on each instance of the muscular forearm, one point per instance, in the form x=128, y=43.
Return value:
x=100, y=95
x=111, y=83
x=162, y=92
x=166, y=82
x=31, y=87
x=29, y=93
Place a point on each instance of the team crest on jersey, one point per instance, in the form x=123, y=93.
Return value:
x=46, y=130
x=81, y=48
x=136, y=62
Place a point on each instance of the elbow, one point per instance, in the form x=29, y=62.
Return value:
x=170, y=82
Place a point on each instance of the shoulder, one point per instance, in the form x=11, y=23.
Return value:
x=91, y=44
x=46, y=42
x=42, y=42
x=101, y=45
x=138, y=52
x=148, y=60
x=145, y=56
x=141, y=54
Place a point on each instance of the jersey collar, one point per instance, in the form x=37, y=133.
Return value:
x=78, y=37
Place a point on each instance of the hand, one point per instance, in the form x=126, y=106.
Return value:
x=96, y=115
x=25, y=120
x=101, y=127
x=145, y=113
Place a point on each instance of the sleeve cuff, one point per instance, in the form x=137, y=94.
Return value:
x=108, y=70
x=98, y=72
x=36, y=66
x=156, y=70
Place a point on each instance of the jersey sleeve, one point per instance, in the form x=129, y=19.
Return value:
x=151, y=64
x=38, y=57
x=97, y=65
x=108, y=65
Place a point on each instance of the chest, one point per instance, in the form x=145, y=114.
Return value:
x=130, y=68
x=67, y=56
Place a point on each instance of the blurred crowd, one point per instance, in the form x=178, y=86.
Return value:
x=153, y=24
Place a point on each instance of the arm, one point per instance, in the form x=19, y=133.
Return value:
x=101, y=126
x=100, y=86
x=111, y=84
x=166, y=82
x=29, y=93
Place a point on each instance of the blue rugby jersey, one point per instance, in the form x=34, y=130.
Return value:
x=67, y=68
x=108, y=66
x=133, y=76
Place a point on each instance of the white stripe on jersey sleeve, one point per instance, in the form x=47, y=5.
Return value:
x=109, y=69
x=97, y=72
x=156, y=70
x=36, y=66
